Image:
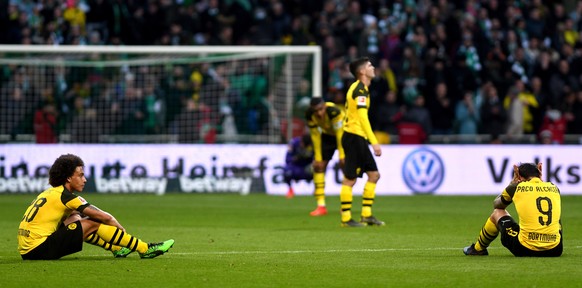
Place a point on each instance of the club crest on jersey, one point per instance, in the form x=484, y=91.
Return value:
x=72, y=226
x=82, y=200
x=361, y=101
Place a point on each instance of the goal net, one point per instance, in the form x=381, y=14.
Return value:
x=155, y=94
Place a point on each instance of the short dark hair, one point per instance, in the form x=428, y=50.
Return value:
x=315, y=101
x=63, y=168
x=528, y=170
x=357, y=65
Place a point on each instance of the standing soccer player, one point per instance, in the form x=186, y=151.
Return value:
x=58, y=221
x=538, y=205
x=324, y=120
x=359, y=159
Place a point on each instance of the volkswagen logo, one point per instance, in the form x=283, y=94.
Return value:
x=423, y=171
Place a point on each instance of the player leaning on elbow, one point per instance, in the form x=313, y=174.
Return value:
x=58, y=221
x=358, y=158
x=538, y=205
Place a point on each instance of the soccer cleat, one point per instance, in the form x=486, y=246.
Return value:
x=371, y=221
x=121, y=253
x=319, y=211
x=471, y=251
x=157, y=249
x=352, y=223
x=290, y=193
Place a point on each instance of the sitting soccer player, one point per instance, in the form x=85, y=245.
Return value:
x=538, y=231
x=58, y=221
x=298, y=162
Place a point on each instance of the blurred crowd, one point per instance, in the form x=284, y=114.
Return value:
x=443, y=67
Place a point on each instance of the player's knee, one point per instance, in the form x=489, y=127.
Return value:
x=348, y=182
x=89, y=226
x=318, y=169
x=374, y=176
x=497, y=214
x=72, y=218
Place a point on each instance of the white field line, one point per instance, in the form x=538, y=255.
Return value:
x=313, y=251
x=259, y=252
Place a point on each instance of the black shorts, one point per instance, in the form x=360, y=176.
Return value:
x=359, y=158
x=328, y=146
x=66, y=240
x=509, y=230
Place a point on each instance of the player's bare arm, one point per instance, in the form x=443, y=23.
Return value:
x=498, y=202
x=101, y=216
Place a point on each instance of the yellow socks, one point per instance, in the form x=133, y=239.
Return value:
x=346, y=203
x=116, y=236
x=488, y=233
x=97, y=241
x=319, y=181
x=368, y=199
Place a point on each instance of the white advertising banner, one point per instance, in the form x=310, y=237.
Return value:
x=404, y=169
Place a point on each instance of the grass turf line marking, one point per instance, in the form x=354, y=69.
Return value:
x=307, y=251
x=257, y=252
x=313, y=251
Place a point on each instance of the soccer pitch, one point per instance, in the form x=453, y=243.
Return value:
x=270, y=241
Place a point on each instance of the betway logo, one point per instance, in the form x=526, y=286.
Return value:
x=131, y=185
x=23, y=185
x=213, y=184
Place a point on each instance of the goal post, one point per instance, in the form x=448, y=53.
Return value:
x=145, y=94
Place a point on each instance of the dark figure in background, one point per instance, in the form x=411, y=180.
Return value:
x=45, y=124
x=191, y=122
x=86, y=128
x=298, y=161
x=493, y=114
x=388, y=115
x=442, y=110
x=133, y=113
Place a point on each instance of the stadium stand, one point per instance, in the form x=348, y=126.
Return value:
x=489, y=71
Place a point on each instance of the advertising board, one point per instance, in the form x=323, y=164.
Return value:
x=243, y=169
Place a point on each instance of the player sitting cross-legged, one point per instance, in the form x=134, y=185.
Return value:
x=58, y=221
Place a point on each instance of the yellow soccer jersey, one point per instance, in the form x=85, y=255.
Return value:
x=539, y=207
x=357, y=104
x=331, y=124
x=45, y=214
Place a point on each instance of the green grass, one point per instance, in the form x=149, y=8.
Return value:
x=268, y=241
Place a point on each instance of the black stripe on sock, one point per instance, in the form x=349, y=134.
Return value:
x=91, y=238
x=114, y=235
x=133, y=239
x=120, y=237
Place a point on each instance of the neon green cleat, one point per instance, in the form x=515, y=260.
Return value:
x=121, y=253
x=157, y=249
